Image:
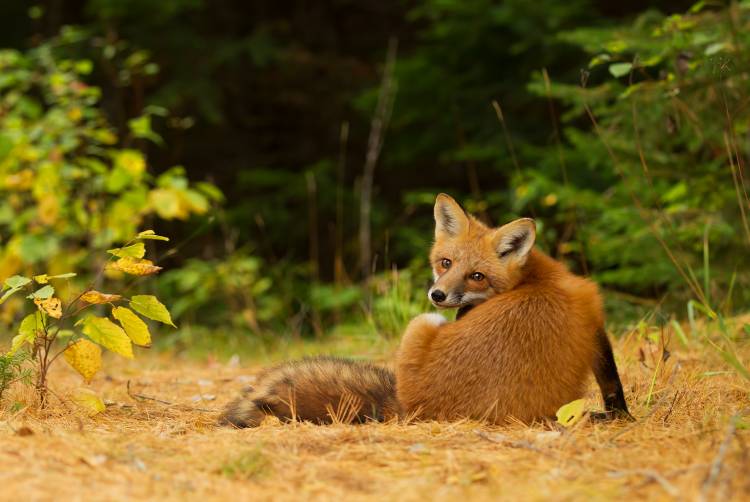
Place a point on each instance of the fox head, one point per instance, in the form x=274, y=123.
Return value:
x=472, y=262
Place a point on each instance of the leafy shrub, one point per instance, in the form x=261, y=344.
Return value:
x=69, y=184
x=82, y=334
x=657, y=177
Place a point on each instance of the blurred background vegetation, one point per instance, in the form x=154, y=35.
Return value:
x=292, y=150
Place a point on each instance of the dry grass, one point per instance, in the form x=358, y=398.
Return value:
x=686, y=444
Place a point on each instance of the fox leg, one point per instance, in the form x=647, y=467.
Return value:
x=608, y=379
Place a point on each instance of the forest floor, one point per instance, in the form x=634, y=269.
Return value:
x=158, y=441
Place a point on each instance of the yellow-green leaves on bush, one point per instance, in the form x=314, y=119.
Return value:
x=134, y=327
x=109, y=335
x=44, y=278
x=12, y=285
x=51, y=306
x=151, y=235
x=152, y=308
x=97, y=298
x=134, y=266
x=31, y=326
x=42, y=293
x=137, y=250
x=85, y=357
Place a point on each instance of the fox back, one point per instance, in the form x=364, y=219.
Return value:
x=529, y=337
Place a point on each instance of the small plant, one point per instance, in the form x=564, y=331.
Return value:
x=12, y=370
x=248, y=465
x=80, y=332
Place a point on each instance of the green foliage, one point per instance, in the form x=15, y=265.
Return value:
x=69, y=328
x=658, y=173
x=12, y=370
x=248, y=465
x=69, y=183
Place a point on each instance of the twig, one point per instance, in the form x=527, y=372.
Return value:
x=513, y=443
x=161, y=401
x=374, y=146
x=650, y=475
x=716, y=465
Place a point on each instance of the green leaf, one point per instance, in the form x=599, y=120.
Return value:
x=16, y=282
x=8, y=294
x=135, y=328
x=151, y=235
x=109, y=335
x=620, y=69
x=152, y=308
x=27, y=331
x=570, y=413
x=42, y=293
x=13, y=285
x=137, y=250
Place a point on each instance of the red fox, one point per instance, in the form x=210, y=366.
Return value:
x=526, y=336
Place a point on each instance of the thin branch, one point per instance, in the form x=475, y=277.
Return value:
x=374, y=146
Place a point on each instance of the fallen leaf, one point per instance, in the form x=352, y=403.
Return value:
x=24, y=431
x=570, y=413
x=89, y=401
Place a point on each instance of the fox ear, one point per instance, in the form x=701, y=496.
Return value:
x=516, y=238
x=450, y=219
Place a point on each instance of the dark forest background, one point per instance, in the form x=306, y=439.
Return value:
x=621, y=126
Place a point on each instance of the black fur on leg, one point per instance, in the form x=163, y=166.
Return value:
x=609, y=382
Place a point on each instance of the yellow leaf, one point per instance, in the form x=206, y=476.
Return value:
x=85, y=357
x=135, y=328
x=97, y=298
x=89, y=401
x=44, y=278
x=168, y=204
x=136, y=250
x=134, y=266
x=570, y=413
x=131, y=161
x=52, y=306
x=109, y=335
x=20, y=181
x=151, y=235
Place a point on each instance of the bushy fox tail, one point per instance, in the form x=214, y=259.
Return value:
x=321, y=390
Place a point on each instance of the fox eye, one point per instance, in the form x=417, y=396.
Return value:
x=446, y=263
x=476, y=276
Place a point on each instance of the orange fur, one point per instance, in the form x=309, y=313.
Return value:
x=522, y=352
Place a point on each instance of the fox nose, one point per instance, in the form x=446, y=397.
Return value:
x=437, y=296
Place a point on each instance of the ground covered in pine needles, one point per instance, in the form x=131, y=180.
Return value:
x=157, y=439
